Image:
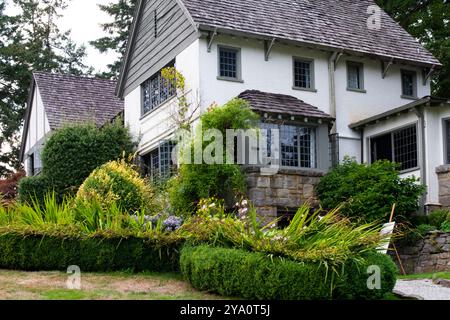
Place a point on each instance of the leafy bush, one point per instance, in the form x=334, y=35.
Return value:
x=369, y=191
x=117, y=182
x=34, y=189
x=353, y=284
x=240, y=273
x=201, y=181
x=9, y=187
x=438, y=217
x=445, y=226
x=72, y=153
x=31, y=251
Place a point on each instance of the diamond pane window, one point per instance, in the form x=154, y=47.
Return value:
x=156, y=91
x=408, y=83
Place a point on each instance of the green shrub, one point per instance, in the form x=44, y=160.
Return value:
x=42, y=252
x=34, y=189
x=445, y=226
x=117, y=182
x=224, y=181
x=438, y=217
x=73, y=152
x=233, y=272
x=353, y=285
x=369, y=191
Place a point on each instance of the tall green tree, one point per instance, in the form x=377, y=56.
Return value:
x=29, y=41
x=118, y=30
x=429, y=22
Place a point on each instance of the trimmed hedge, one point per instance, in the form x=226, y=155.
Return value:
x=93, y=254
x=34, y=188
x=233, y=272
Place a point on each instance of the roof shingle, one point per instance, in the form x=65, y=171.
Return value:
x=77, y=99
x=340, y=24
x=281, y=104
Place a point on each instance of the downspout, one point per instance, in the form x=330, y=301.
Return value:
x=362, y=145
x=332, y=87
x=423, y=165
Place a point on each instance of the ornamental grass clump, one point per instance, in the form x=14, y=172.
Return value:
x=321, y=237
x=117, y=182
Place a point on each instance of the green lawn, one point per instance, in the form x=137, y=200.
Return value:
x=438, y=275
x=16, y=285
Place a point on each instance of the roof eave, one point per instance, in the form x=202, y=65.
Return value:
x=425, y=101
x=314, y=45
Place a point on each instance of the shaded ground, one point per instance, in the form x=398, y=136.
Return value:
x=428, y=286
x=15, y=285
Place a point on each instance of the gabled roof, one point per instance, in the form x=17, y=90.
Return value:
x=265, y=102
x=339, y=24
x=427, y=101
x=69, y=99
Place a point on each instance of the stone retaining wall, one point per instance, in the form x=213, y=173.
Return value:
x=288, y=189
x=432, y=254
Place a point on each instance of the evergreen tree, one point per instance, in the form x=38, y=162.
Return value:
x=118, y=31
x=29, y=41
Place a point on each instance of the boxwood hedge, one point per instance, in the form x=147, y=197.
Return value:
x=92, y=254
x=233, y=272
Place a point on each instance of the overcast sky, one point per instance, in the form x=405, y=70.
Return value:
x=83, y=17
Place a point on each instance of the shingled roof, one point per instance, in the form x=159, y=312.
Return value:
x=69, y=99
x=340, y=24
x=77, y=99
x=281, y=104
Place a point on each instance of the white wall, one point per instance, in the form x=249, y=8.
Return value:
x=38, y=127
x=159, y=124
x=435, y=141
x=275, y=75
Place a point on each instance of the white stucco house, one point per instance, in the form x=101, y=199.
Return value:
x=56, y=100
x=371, y=84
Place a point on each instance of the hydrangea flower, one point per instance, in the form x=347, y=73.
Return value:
x=172, y=223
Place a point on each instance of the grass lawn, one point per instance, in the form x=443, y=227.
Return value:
x=438, y=275
x=16, y=285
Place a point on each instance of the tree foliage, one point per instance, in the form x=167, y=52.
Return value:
x=429, y=22
x=29, y=41
x=118, y=31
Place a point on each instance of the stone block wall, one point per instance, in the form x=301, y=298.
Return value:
x=443, y=173
x=288, y=189
x=431, y=254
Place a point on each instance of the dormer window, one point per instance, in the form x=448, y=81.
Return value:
x=409, y=84
x=156, y=91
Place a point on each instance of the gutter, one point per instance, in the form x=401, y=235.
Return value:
x=423, y=165
x=332, y=86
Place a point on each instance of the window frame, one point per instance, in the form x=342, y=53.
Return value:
x=161, y=103
x=314, y=155
x=392, y=133
x=238, y=63
x=160, y=164
x=414, y=82
x=360, y=66
x=446, y=140
x=311, y=63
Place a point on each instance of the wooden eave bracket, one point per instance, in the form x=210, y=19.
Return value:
x=268, y=48
x=427, y=74
x=212, y=35
x=386, y=67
